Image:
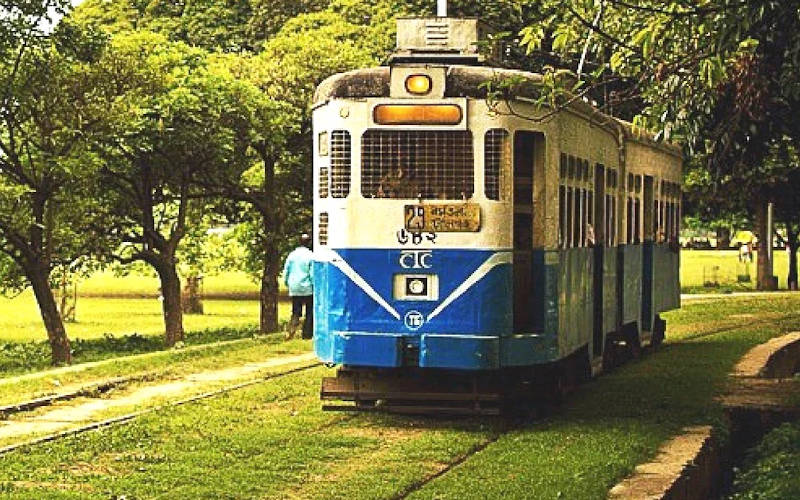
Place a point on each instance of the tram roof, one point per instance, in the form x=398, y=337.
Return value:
x=468, y=81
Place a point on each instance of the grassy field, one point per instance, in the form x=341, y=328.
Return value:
x=273, y=440
x=233, y=285
x=20, y=320
x=723, y=266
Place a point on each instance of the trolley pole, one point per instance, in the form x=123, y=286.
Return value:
x=441, y=8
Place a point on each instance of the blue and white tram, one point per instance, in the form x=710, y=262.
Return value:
x=460, y=240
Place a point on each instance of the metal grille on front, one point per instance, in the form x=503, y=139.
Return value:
x=496, y=158
x=410, y=164
x=323, y=228
x=340, y=163
x=323, y=182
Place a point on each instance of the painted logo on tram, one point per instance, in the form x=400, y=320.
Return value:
x=415, y=259
x=414, y=320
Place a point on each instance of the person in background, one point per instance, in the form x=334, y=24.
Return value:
x=297, y=277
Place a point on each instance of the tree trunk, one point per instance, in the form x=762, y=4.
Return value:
x=191, y=301
x=269, y=287
x=792, y=244
x=764, y=280
x=56, y=334
x=723, y=238
x=270, y=222
x=171, y=293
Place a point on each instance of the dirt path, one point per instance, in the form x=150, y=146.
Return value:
x=60, y=417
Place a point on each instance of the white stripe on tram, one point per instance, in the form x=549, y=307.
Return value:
x=334, y=258
x=489, y=264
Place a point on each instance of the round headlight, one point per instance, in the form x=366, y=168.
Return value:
x=416, y=287
x=418, y=84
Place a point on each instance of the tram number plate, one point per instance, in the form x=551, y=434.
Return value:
x=451, y=218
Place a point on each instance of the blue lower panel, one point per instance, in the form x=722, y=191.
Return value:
x=524, y=350
x=466, y=352
x=368, y=349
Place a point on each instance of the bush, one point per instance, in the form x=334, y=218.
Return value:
x=771, y=469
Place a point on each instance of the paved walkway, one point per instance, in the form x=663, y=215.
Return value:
x=62, y=416
x=688, y=297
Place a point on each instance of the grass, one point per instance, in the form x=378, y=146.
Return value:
x=227, y=285
x=723, y=267
x=273, y=440
x=772, y=469
x=157, y=364
x=20, y=320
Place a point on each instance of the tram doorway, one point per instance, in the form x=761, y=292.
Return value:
x=598, y=223
x=647, y=254
x=524, y=160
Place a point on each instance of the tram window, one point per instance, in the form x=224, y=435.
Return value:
x=496, y=161
x=583, y=219
x=637, y=221
x=323, y=182
x=571, y=169
x=570, y=215
x=563, y=166
x=409, y=164
x=576, y=219
x=340, y=163
x=562, y=216
x=322, y=228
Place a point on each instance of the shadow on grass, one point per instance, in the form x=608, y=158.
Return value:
x=17, y=357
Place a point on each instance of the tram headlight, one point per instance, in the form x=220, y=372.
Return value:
x=418, y=84
x=416, y=287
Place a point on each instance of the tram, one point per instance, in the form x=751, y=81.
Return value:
x=471, y=252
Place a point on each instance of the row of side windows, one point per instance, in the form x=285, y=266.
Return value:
x=578, y=208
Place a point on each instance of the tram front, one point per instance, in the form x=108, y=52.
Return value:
x=412, y=215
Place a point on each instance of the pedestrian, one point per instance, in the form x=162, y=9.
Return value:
x=298, y=279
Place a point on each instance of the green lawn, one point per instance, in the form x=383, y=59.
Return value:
x=20, y=320
x=273, y=440
x=224, y=285
x=723, y=266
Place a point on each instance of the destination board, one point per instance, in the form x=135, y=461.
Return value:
x=441, y=218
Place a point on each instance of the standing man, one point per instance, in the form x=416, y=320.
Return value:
x=297, y=277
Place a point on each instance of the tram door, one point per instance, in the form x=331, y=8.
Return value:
x=599, y=225
x=647, y=254
x=523, y=230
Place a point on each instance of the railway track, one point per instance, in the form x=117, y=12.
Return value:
x=122, y=419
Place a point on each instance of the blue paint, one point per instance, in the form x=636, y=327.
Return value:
x=466, y=352
x=365, y=349
x=473, y=333
x=647, y=285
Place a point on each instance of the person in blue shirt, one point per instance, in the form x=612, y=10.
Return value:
x=297, y=277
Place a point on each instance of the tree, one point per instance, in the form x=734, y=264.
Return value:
x=49, y=107
x=177, y=123
x=721, y=76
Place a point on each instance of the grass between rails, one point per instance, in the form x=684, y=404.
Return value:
x=268, y=441
x=181, y=380
x=273, y=440
x=618, y=421
x=159, y=364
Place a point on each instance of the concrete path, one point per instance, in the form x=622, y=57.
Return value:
x=688, y=297
x=62, y=416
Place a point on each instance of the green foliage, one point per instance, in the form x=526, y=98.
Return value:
x=772, y=468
